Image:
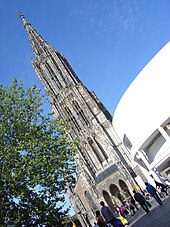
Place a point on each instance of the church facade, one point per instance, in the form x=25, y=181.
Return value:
x=105, y=170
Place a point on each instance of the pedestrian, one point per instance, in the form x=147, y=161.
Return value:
x=122, y=211
x=100, y=220
x=134, y=203
x=117, y=211
x=153, y=192
x=109, y=217
x=125, y=208
x=161, y=186
x=141, y=200
x=132, y=209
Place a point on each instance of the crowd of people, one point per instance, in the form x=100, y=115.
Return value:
x=119, y=217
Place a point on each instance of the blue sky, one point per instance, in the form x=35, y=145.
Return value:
x=107, y=42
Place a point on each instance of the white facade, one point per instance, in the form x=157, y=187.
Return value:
x=142, y=117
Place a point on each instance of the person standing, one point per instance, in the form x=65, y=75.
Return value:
x=141, y=200
x=134, y=203
x=109, y=217
x=122, y=211
x=100, y=220
x=132, y=209
x=153, y=192
x=161, y=186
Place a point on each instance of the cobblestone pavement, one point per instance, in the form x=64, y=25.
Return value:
x=158, y=217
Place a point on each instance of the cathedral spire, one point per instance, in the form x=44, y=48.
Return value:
x=39, y=45
x=25, y=22
x=49, y=64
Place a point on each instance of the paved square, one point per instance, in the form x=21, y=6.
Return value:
x=158, y=217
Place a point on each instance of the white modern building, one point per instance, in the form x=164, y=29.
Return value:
x=142, y=117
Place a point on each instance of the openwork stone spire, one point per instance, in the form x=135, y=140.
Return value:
x=49, y=64
x=25, y=22
x=39, y=45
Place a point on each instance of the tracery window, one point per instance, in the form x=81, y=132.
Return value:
x=53, y=76
x=72, y=118
x=58, y=69
x=90, y=201
x=95, y=150
x=101, y=148
x=80, y=112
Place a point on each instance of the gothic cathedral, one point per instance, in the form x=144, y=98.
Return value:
x=105, y=169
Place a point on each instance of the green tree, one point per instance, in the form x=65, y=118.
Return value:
x=36, y=159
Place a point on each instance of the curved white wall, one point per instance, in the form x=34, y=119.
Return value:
x=143, y=115
x=146, y=103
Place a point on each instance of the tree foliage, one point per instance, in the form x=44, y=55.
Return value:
x=36, y=159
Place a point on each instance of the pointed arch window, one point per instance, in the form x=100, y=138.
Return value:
x=101, y=148
x=72, y=119
x=90, y=201
x=58, y=69
x=50, y=90
x=80, y=112
x=95, y=150
x=53, y=76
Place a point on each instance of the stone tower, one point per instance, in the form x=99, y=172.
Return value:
x=104, y=164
